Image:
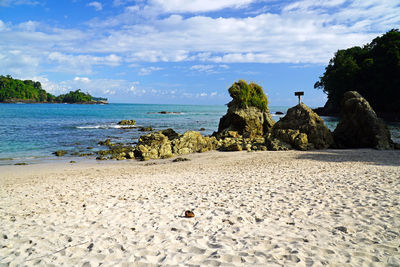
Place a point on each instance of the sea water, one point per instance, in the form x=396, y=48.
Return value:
x=31, y=132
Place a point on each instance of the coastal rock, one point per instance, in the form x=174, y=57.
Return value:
x=192, y=142
x=60, y=153
x=231, y=144
x=146, y=129
x=153, y=146
x=274, y=144
x=303, y=129
x=248, y=112
x=360, y=126
x=170, y=133
x=127, y=122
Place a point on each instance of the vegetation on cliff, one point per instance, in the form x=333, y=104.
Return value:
x=372, y=70
x=248, y=95
x=14, y=90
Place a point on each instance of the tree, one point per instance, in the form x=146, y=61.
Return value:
x=373, y=70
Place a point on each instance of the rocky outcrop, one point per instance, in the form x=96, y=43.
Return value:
x=248, y=112
x=248, y=122
x=153, y=146
x=302, y=129
x=168, y=143
x=127, y=122
x=360, y=126
x=192, y=142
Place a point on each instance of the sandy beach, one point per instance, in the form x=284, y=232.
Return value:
x=331, y=207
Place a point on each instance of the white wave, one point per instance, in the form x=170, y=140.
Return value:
x=105, y=126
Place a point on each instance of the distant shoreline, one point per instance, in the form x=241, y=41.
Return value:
x=29, y=101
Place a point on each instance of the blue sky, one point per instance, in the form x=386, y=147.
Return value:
x=184, y=51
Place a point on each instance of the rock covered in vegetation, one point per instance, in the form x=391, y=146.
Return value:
x=127, y=122
x=167, y=143
x=360, y=126
x=248, y=112
x=60, y=153
x=146, y=129
x=192, y=142
x=153, y=146
x=303, y=129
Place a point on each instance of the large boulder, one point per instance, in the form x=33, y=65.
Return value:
x=153, y=146
x=248, y=112
x=360, y=126
x=303, y=129
x=192, y=142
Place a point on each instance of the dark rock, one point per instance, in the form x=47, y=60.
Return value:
x=90, y=247
x=248, y=112
x=341, y=229
x=60, y=153
x=279, y=113
x=146, y=129
x=21, y=163
x=179, y=159
x=127, y=122
x=107, y=142
x=170, y=133
x=202, y=129
x=303, y=129
x=274, y=144
x=360, y=126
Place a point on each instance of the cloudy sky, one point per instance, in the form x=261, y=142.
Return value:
x=184, y=51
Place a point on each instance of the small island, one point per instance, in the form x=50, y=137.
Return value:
x=28, y=91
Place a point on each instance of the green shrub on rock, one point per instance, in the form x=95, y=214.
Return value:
x=248, y=95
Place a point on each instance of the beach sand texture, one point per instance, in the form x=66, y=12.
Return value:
x=332, y=207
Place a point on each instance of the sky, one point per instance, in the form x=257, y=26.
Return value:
x=184, y=51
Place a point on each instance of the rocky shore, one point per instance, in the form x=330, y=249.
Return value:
x=248, y=125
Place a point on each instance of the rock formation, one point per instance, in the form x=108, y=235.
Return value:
x=302, y=129
x=360, y=126
x=127, y=122
x=248, y=112
x=168, y=143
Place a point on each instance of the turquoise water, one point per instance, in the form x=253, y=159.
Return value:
x=31, y=132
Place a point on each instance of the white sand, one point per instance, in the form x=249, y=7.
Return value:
x=264, y=208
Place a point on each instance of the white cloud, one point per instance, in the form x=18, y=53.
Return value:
x=305, y=31
x=97, y=5
x=148, y=70
x=202, y=68
x=182, y=6
x=82, y=79
x=82, y=63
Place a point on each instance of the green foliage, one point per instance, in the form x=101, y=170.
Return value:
x=248, y=95
x=12, y=90
x=75, y=97
x=372, y=70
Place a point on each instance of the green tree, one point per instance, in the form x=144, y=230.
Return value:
x=373, y=70
x=248, y=95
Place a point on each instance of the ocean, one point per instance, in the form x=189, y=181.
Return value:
x=31, y=132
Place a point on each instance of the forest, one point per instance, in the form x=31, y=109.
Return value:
x=373, y=70
x=28, y=91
